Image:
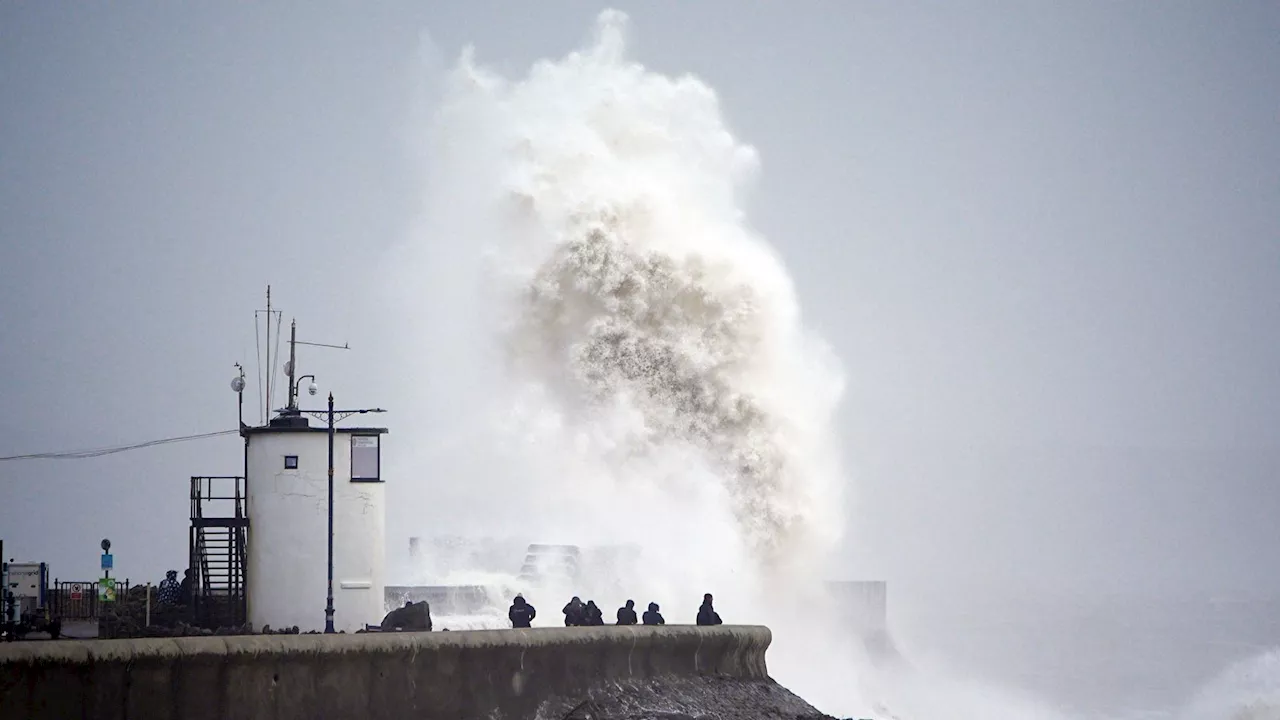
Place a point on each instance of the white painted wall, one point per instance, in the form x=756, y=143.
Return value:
x=288, y=517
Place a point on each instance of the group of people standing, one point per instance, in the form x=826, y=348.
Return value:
x=578, y=613
x=171, y=591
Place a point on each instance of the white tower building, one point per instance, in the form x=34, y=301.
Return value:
x=295, y=524
x=288, y=508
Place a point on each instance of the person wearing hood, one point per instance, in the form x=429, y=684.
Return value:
x=627, y=614
x=575, y=613
x=168, y=592
x=652, y=616
x=594, y=616
x=521, y=613
x=707, y=614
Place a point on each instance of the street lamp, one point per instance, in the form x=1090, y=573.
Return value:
x=329, y=417
x=312, y=389
x=237, y=387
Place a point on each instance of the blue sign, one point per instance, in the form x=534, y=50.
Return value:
x=106, y=561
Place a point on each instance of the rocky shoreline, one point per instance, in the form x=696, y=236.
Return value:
x=693, y=698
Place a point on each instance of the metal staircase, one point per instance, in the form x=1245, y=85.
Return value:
x=219, y=531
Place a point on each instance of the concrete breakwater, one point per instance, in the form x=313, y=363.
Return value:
x=475, y=674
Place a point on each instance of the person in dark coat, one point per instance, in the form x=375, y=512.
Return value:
x=627, y=615
x=521, y=613
x=652, y=616
x=184, y=588
x=594, y=616
x=169, y=592
x=575, y=613
x=707, y=615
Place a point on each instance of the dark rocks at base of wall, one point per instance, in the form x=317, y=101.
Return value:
x=127, y=616
x=414, y=616
x=691, y=698
x=115, y=628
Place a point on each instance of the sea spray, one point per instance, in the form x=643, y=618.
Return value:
x=650, y=310
x=634, y=365
x=1247, y=690
x=599, y=350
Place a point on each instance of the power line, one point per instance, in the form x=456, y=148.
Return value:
x=99, y=452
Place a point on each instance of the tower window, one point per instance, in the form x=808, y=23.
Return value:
x=366, y=458
x=290, y=462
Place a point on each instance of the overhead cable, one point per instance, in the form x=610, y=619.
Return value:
x=99, y=452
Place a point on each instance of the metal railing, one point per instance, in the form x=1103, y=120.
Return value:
x=78, y=599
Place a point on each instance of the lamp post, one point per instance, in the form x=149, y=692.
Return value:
x=328, y=602
x=331, y=417
x=237, y=387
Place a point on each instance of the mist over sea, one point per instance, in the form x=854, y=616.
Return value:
x=1106, y=657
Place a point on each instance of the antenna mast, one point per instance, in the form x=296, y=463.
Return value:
x=267, y=373
x=266, y=380
x=268, y=370
x=266, y=376
x=293, y=363
x=292, y=367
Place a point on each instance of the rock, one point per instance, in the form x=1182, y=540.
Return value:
x=688, y=698
x=413, y=617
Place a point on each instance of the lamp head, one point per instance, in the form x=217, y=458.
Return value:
x=313, y=388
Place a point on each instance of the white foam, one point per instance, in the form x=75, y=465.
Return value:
x=626, y=354
x=613, y=355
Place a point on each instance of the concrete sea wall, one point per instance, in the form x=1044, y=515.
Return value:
x=477, y=674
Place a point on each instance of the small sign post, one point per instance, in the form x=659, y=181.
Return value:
x=107, y=585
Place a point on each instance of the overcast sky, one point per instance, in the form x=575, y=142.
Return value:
x=1044, y=240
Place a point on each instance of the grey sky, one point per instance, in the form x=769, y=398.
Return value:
x=1044, y=240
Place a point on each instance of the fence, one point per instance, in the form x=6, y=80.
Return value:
x=78, y=599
